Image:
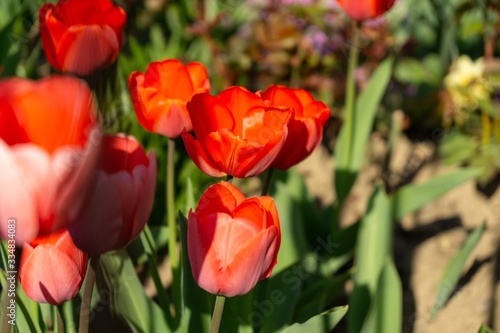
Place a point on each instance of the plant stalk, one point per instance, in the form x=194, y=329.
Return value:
x=351, y=88
x=217, y=316
x=87, y=294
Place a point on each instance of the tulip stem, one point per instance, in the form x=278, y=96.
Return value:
x=351, y=90
x=267, y=181
x=217, y=316
x=172, y=229
x=147, y=243
x=87, y=294
x=229, y=179
x=59, y=318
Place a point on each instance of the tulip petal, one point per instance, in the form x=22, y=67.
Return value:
x=272, y=220
x=284, y=97
x=51, y=31
x=200, y=158
x=317, y=110
x=199, y=77
x=170, y=79
x=50, y=276
x=84, y=49
x=16, y=202
x=304, y=97
x=35, y=166
x=251, y=162
x=173, y=119
x=75, y=173
x=238, y=100
x=304, y=137
x=144, y=114
x=219, y=198
x=51, y=125
x=208, y=115
x=252, y=210
x=146, y=184
x=99, y=227
x=228, y=257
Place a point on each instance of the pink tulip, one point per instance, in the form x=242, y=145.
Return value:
x=232, y=241
x=52, y=269
x=49, y=147
x=122, y=199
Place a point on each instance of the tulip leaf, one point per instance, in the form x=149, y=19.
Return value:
x=190, y=201
x=314, y=298
x=324, y=322
x=118, y=281
x=238, y=316
x=454, y=269
x=347, y=165
x=485, y=329
x=288, y=197
x=412, y=197
x=389, y=300
x=342, y=245
x=28, y=316
x=275, y=311
x=198, y=304
x=372, y=248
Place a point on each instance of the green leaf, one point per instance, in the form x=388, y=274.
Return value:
x=190, y=201
x=458, y=148
x=412, y=197
x=198, y=304
x=485, y=329
x=314, y=298
x=288, y=197
x=347, y=165
x=454, y=269
x=324, y=322
x=282, y=295
x=27, y=313
x=389, y=304
x=118, y=279
x=373, y=247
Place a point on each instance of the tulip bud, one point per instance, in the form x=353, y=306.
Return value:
x=49, y=148
x=360, y=10
x=81, y=36
x=236, y=133
x=52, y=268
x=233, y=242
x=122, y=199
x=160, y=95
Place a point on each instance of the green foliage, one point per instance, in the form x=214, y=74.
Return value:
x=118, y=281
x=372, y=249
x=347, y=165
x=454, y=269
x=321, y=323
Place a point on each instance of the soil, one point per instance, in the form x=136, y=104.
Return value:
x=425, y=241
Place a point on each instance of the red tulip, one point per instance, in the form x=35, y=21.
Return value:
x=49, y=147
x=233, y=242
x=360, y=10
x=160, y=95
x=236, y=133
x=305, y=131
x=122, y=199
x=81, y=36
x=52, y=268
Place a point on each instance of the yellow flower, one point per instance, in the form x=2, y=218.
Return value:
x=467, y=85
